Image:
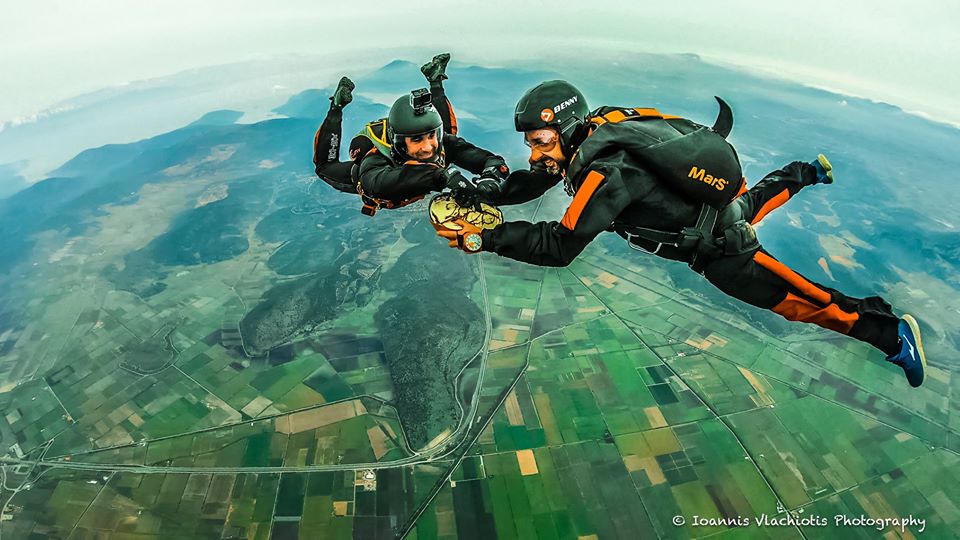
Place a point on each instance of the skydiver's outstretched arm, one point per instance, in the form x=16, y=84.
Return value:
x=468, y=156
x=381, y=179
x=776, y=188
x=523, y=186
x=600, y=199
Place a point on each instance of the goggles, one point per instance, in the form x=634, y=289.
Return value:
x=543, y=140
x=419, y=137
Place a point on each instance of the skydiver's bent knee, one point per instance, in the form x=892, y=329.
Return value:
x=337, y=175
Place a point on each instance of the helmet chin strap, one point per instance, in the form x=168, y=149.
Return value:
x=578, y=133
x=567, y=129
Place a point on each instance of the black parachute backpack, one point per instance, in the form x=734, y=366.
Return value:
x=695, y=160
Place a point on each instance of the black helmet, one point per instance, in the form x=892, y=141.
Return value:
x=556, y=104
x=412, y=114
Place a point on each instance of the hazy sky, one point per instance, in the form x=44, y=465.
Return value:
x=905, y=53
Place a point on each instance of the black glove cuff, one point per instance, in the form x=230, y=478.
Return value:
x=496, y=169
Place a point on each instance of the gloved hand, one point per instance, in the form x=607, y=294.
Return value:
x=485, y=190
x=467, y=238
x=454, y=179
x=495, y=169
x=488, y=184
x=461, y=188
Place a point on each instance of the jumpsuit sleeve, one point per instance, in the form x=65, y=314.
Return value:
x=467, y=156
x=522, y=186
x=326, y=152
x=602, y=196
x=381, y=179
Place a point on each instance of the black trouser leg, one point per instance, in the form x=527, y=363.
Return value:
x=438, y=97
x=326, y=143
x=776, y=188
x=762, y=281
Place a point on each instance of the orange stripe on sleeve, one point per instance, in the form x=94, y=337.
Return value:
x=794, y=279
x=589, y=186
x=771, y=204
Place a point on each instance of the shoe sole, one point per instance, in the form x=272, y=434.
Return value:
x=915, y=328
x=825, y=163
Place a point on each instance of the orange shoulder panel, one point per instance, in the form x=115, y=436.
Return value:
x=647, y=112
x=614, y=116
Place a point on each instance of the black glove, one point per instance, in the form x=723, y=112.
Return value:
x=488, y=184
x=486, y=190
x=495, y=169
x=461, y=188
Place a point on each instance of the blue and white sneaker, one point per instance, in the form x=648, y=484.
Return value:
x=824, y=169
x=910, y=358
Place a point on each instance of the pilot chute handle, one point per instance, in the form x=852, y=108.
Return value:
x=724, y=122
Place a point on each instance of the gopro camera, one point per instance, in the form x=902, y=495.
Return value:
x=420, y=100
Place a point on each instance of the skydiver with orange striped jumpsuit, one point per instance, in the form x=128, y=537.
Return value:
x=674, y=188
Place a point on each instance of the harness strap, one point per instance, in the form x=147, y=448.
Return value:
x=699, y=240
x=651, y=235
x=724, y=122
